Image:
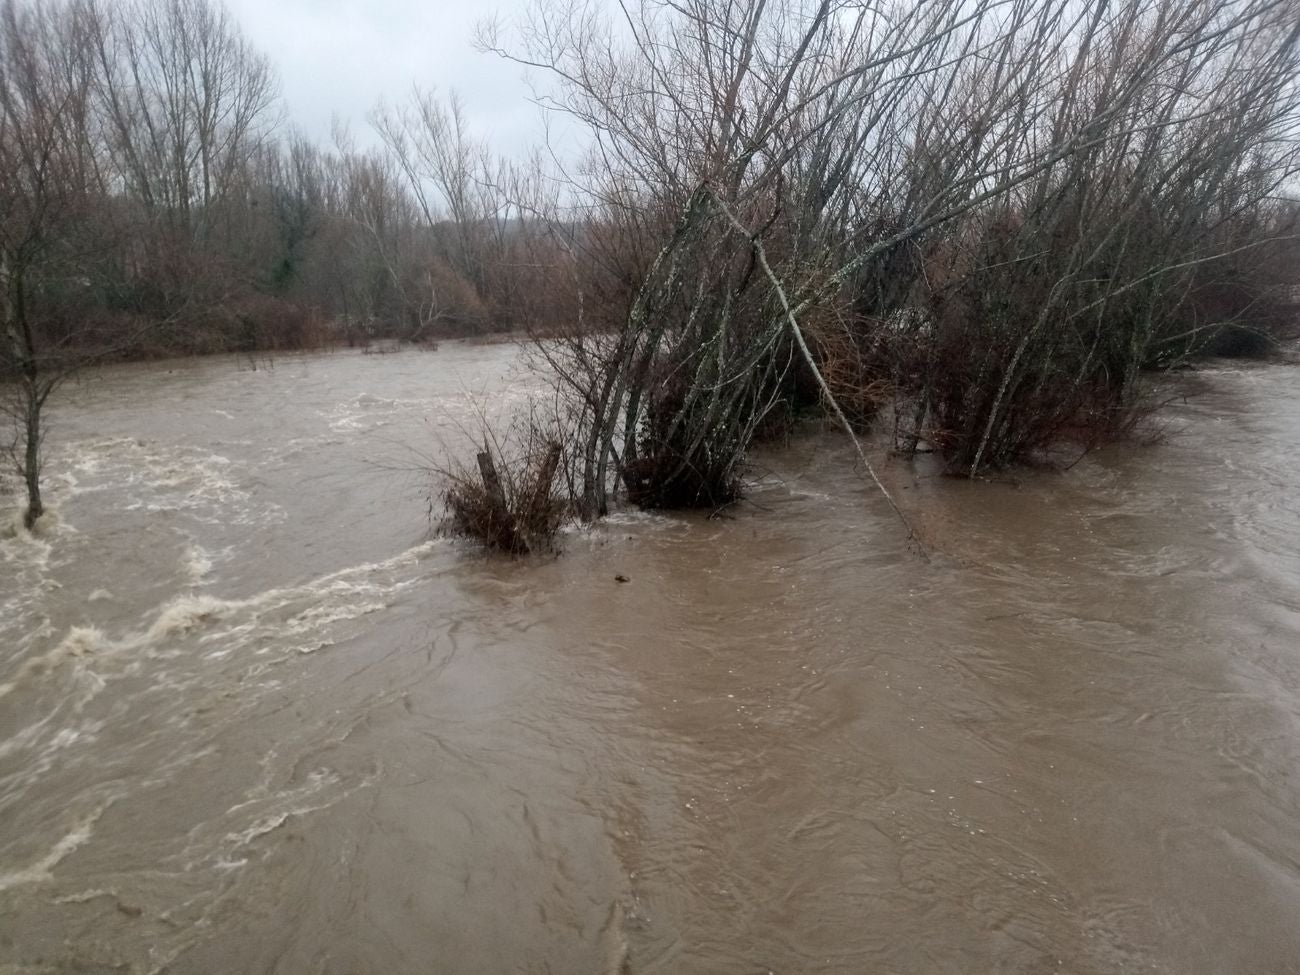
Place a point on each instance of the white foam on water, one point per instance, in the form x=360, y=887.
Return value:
x=186, y=613
x=42, y=870
x=223, y=844
x=80, y=641
x=635, y=516
x=260, y=632
x=366, y=411
x=44, y=750
x=179, y=643
x=85, y=896
x=165, y=478
x=309, y=648
x=28, y=560
x=18, y=543
x=24, y=738
x=318, y=617
x=257, y=620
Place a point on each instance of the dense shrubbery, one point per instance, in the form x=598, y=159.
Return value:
x=991, y=248
x=511, y=500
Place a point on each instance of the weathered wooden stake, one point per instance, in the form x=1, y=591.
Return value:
x=492, y=482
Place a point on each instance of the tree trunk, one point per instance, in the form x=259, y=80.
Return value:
x=32, y=455
x=17, y=332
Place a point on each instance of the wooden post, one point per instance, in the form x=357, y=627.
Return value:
x=542, y=490
x=491, y=481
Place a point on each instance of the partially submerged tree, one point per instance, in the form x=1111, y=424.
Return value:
x=127, y=135
x=47, y=163
x=771, y=190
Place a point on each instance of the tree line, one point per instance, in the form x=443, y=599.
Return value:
x=154, y=200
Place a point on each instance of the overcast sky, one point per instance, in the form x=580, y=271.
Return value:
x=340, y=56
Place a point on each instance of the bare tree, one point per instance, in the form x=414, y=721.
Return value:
x=46, y=165
x=782, y=171
x=186, y=105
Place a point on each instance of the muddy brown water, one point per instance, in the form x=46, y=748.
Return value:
x=252, y=719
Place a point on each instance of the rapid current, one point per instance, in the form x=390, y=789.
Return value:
x=255, y=717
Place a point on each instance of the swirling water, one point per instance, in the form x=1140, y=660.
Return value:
x=253, y=718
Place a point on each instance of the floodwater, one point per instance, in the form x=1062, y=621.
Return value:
x=254, y=719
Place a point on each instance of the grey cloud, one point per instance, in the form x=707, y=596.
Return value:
x=340, y=58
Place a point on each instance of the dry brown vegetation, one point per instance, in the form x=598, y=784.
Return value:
x=511, y=500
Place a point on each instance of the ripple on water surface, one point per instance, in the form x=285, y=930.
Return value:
x=250, y=720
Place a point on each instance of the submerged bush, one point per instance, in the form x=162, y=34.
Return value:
x=508, y=500
x=681, y=458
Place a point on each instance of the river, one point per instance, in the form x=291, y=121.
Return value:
x=255, y=718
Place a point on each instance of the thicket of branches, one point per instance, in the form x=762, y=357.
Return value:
x=984, y=216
